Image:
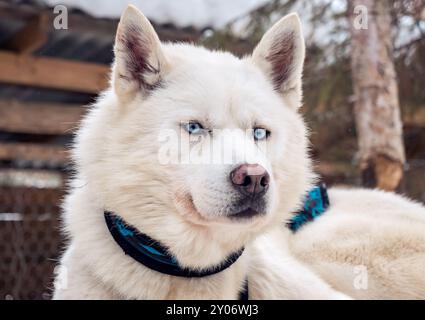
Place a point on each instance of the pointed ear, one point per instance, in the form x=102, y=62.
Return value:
x=280, y=54
x=139, y=60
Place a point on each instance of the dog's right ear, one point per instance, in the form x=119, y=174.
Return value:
x=280, y=54
x=139, y=60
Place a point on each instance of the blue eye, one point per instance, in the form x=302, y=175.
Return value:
x=260, y=133
x=193, y=127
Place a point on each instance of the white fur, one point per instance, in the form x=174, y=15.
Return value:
x=373, y=233
x=116, y=154
x=184, y=206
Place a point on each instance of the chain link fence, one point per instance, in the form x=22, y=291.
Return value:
x=30, y=241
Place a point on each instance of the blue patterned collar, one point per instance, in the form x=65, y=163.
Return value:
x=153, y=254
x=315, y=204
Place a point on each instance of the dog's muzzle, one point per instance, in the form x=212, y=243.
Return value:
x=252, y=183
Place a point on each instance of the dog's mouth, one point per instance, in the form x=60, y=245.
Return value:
x=248, y=208
x=245, y=214
x=188, y=209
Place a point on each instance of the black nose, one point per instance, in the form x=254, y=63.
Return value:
x=250, y=179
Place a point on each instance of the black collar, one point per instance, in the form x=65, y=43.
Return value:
x=153, y=254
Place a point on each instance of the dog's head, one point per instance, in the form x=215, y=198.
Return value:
x=190, y=139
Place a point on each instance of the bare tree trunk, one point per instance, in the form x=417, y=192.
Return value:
x=377, y=112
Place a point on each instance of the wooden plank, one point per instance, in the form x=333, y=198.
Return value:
x=335, y=169
x=9, y=10
x=53, y=73
x=33, y=152
x=415, y=118
x=39, y=118
x=31, y=37
x=27, y=178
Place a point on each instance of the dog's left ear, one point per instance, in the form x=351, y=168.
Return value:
x=280, y=54
x=139, y=59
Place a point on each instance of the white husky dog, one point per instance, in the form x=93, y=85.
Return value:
x=144, y=228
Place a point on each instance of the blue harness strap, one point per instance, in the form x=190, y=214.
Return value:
x=315, y=204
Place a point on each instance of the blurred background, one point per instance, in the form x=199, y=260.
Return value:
x=364, y=99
